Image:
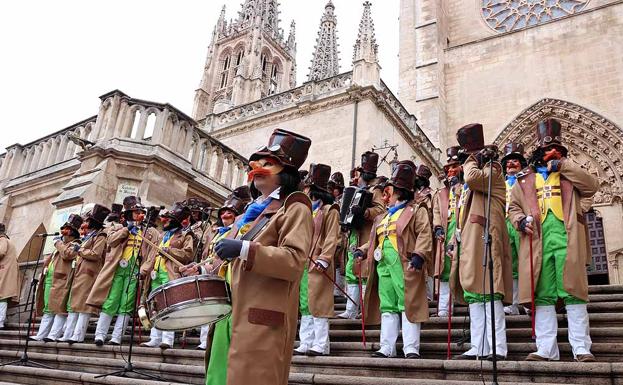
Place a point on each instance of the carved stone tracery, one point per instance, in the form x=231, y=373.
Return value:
x=592, y=140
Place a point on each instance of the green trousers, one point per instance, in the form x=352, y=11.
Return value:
x=217, y=367
x=351, y=278
x=162, y=277
x=447, y=261
x=47, y=286
x=391, y=280
x=514, y=239
x=550, y=286
x=122, y=295
x=304, y=293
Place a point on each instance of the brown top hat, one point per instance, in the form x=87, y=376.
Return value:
x=74, y=222
x=115, y=213
x=369, y=162
x=237, y=200
x=196, y=204
x=423, y=172
x=318, y=176
x=455, y=155
x=403, y=176
x=132, y=203
x=2, y=228
x=178, y=212
x=513, y=151
x=549, y=132
x=336, y=181
x=471, y=137
x=287, y=147
x=98, y=213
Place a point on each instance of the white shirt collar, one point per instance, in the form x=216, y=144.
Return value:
x=274, y=195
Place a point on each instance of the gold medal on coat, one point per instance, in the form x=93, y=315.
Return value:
x=123, y=263
x=153, y=274
x=378, y=254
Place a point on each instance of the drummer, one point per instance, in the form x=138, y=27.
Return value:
x=159, y=270
x=233, y=206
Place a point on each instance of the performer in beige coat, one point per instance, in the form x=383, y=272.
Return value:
x=9, y=285
x=469, y=279
x=551, y=192
x=363, y=177
x=53, y=288
x=398, y=252
x=424, y=195
x=89, y=260
x=316, y=293
x=268, y=265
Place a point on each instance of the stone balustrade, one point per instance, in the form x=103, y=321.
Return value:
x=129, y=119
x=50, y=150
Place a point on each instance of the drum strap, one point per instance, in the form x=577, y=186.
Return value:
x=253, y=232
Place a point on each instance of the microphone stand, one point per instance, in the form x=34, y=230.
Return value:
x=24, y=360
x=129, y=368
x=487, y=259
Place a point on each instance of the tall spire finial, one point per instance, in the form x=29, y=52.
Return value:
x=325, y=62
x=365, y=45
x=292, y=37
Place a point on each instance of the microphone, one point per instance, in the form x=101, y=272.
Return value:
x=43, y=235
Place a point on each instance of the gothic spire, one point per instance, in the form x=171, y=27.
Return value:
x=292, y=37
x=365, y=45
x=325, y=62
x=266, y=12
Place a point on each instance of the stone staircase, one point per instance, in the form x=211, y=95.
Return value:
x=350, y=361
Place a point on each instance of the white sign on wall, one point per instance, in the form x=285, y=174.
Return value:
x=125, y=188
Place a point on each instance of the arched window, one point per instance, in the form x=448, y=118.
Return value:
x=224, y=77
x=273, y=84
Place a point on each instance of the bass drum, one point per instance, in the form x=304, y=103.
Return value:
x=189, y=302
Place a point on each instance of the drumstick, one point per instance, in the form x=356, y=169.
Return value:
x=163, y=253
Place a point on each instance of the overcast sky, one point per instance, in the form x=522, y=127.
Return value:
x=59, y=56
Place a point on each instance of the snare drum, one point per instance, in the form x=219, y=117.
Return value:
x=189, y=302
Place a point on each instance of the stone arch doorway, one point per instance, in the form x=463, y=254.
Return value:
x=597, y=144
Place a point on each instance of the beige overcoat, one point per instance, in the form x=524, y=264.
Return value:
x=90, y=259
x=576, y=186
x=413, y=232
x=325, y=241
x=425, y=197
x=116, y=241
x=181, y=247
x=265, y=294
x=62, y=259
x=467, y=271
x=9, y=270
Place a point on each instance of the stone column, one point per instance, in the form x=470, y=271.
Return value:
x=62, y=149
x=196, y=146
x=27, y=161
x=120, y=120
x=43, y=155
x=230, y=170
x=218, y=167
x=207, y=162
x=241, y=173
x=53, y=152
x=128, y=122
x=13, y=161
x=102, y=116
x=161, y=120
x=188, y=140
x=142, y=124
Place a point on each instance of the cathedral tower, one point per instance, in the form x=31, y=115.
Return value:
x=325, y=62
x=248, y=58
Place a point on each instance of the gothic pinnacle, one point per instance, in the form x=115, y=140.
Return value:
x=325, y=62
x=365, y=45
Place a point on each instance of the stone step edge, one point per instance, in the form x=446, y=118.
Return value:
x=328, y=379
x=64, y=376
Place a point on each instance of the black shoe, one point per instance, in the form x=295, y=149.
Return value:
x=413, y=356
x=498, y=357
x=464, y=357
x=46, y=339
x=379, y=355
x=111, y=342
x=71, y=342
x=99, y=342
x=314, y=353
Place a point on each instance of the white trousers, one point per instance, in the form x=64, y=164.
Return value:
x=339, y=280
x=80, y=330
x=579, y=335
x=430, y=288
x=3, y=308
x=410, y=335
x=445, y=307
x=481, y=341
x=156, y=337
x=103, y=323
x=546, y=329
x=70, y=324
x=352, y=308
x=514, y=308
x=44, y=327
x=57, y=327
x=203, y=336
x=390, y=327
x=121, y=323
x=314, y=335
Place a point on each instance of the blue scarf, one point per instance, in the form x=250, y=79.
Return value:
x=392, y=210
x=543, y=171
x=316, y=205
x=168, y=234
x=223, y=230
x=253, y=211
x=511, y=179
